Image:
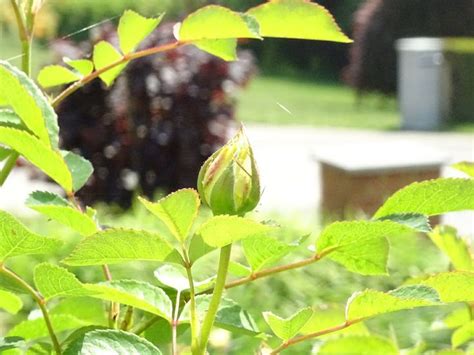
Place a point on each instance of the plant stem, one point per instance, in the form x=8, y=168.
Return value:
x=127, y=319
x=174, y=325
x=144, y=326
x=114, y=311
x=299, y=339
x=192, y=300
x=8, y=167
x=224, y=260
x=39, y=300
x=126, y=58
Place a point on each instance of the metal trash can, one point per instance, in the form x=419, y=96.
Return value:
x=424, y=83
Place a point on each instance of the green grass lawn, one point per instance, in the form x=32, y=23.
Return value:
x=295, y=101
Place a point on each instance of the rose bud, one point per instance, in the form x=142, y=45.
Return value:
x=228, y=181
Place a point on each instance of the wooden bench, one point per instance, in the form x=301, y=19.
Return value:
x=359, y=177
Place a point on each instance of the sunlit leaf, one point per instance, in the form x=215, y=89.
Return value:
x=105, y=55
x=28, y=101
x=219, y=231
x=36, y=328
x=111, y=341
x=81, y=169
x=37, y=153
x=223, y=48
x=416, y=221
x=10, y=302
x=360, y=246
x=115, y=246
x=297, y=19
x=83, y=66
x=463, y=334
x=58, y=209
x=431, y=197
x=134, y=28
x=177, y=211
x=455, y=247
x=370, y=303
x=466, y=167
x=16, y=239
x=54, y=75
x=217, y=22
x=198, y=248
x=456, y=286
x=287, y=328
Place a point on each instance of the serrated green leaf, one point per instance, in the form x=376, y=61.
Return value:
x=299, y=19
x=9, y=118
x=217, y=22
x=115, y=246
x=104, y=55
x=137, y=294
x=28, y=101
x=466, y=167
x=37, y=153
x=10, y=302
x=198, y=248
x=54, y=75
x=329, y=316
x=286, y=329
x=177, y=211
x=230, y=315
x=262, y=250
x=431, y=197
x=456, y=286
x=463, y=334
x=36, y=328
x=16, y=239
x=55, y=281
x=111, y=341
x=458, y=317
x=360, y=246
x=225, y=49
x=222, y=230
x=81, y=169
x=358, y=344
x=239, y=270
x=83, y=66
x=415, y=221
x=456, y=248
x=134, y=28
x=88, y=309
x=58, y=209
x=370, y=303
x=4, y=153
x=10, y=343
x=174, y=276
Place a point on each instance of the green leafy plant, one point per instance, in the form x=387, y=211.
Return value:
x=71, y=321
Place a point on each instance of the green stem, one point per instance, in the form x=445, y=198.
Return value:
x=39, y=300
x=127, y=319
x=8, y=167
x=192, y=300
x=224, y=260
x=174, y=325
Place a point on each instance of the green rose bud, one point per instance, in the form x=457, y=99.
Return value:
x=228, y=181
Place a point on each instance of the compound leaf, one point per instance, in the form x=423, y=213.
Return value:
x=217, y=22
x=287, y=328
x=431, y=197
x=16, y=239
x=360, y=246
x=54, y=75
x=222, y=230
x=299, y=19
x=10, y=302
x=370, y=303
x=39, y=154
x=104, y=55
x=177, y=211
x=134, y=28
x=456, y=248
x=28, y=101
x=58, y=209
x=111, y=342
x=115, y=246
